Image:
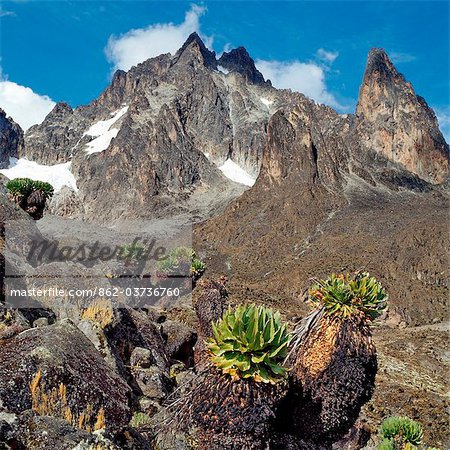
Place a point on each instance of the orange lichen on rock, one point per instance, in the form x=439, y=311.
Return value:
x=53, y=402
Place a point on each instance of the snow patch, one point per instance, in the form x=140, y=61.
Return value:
x=102, y=126
x=102, y=142
x=102, y=132
x=235, y=173
x=58, y=175
x=223, y=70
x=266, y=101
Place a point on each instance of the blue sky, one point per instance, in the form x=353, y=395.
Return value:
x=60, y=50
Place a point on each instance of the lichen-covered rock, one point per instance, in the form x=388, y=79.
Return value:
x=152, y=381
x=44, y=432
x=61, y=354
x=96, y=334
x=141, y=358
x=134, y=329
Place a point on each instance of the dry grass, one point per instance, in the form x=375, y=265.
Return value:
x=100, y=311
x=53, y=402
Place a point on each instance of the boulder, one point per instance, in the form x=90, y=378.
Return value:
x=180, y=339
x=58, y=360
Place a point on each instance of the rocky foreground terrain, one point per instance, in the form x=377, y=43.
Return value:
x=276, y=188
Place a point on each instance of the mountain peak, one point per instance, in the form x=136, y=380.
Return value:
x=378, y=62
x=402, y=126
x=240, y=61
x=194, y=46
x=194, y=37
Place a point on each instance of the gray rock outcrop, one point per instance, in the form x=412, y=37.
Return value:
x=11, y=139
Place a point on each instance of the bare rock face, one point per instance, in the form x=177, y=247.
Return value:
x=240, y=61
x=158, y=135
x=399, y=124
x=164, y=128
x=11, y=139
x=288, y=131
x=51, y=141
x=194, y=47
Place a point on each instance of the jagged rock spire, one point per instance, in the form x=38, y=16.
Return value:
x=194, y=46
x=399, y=124
x=239, y=60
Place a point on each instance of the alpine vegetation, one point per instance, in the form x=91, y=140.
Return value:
x=30, y=195
x=401, y=433
x=181, y=262
x=333, y=356
x=235, y=398
x=250, y=342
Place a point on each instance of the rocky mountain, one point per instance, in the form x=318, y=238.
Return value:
x=163, y=129
x=11, y=139
x=279, y=189
x=329, y=196
x=400, y=125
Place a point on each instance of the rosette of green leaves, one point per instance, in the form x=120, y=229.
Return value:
x=250, y=342
x=23, y=187
x=182, y=261
x=400, y=433
x=349, y=295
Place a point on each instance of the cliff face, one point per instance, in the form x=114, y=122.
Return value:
x=240, y=61
x=161, y=129
x=52, y=141
x=399, y=124
x=11, y=139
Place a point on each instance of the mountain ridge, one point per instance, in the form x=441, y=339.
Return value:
x=185, y=119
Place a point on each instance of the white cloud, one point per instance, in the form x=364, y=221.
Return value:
x=22, y=104
x=443, y=115
x=400, y=57
x=137, y=45
x=4, y=13
x=307, y=78
x=326, y=56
